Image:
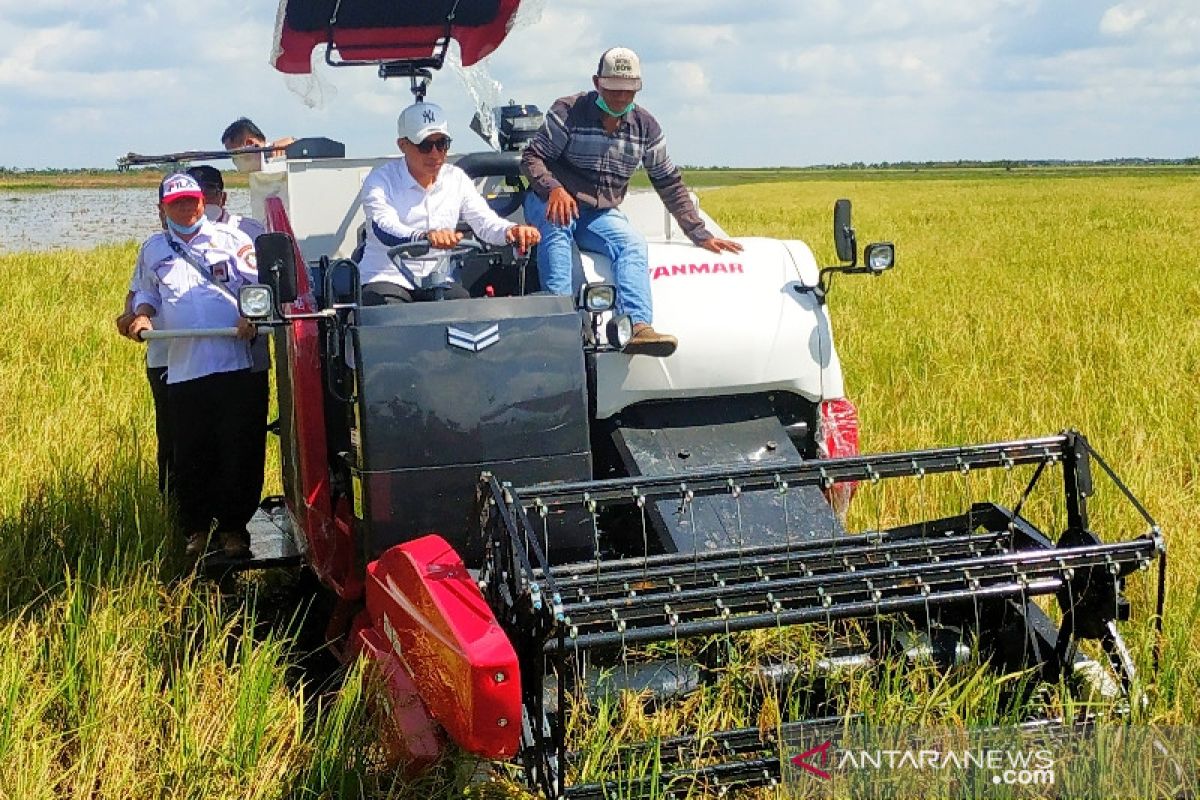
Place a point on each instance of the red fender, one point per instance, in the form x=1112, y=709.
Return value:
x=423, y=601
x=329, y=532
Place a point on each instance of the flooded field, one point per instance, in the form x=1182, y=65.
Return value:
x=80, y=218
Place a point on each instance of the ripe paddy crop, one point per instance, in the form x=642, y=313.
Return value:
x=1021, y=305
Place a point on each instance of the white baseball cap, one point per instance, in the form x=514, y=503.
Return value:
x=420, y=121
x=620, y=70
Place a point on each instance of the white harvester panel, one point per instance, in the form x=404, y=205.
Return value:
x=742, y=324
x=322, y=200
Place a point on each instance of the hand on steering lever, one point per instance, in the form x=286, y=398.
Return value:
x=524, y=237
x=139, y=323
x=443, y=239
x=245, y=329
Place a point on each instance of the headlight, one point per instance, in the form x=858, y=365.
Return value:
x=597, y=298
x=880, y=256
x=255, y=301
x=620, y=330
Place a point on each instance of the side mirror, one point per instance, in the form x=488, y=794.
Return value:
x=276, y=255
x=843, y=234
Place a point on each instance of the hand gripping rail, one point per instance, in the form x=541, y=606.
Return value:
x=951, y=566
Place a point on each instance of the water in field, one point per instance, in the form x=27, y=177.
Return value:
x=82, y=218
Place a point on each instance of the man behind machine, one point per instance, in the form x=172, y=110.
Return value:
x=422, y=198
x=244, y=133
x=188, y=277
x=579, y=165
x=215, y=198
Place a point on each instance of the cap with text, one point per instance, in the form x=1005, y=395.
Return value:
x=178, y=186
x=619, y=70
x=420, y=121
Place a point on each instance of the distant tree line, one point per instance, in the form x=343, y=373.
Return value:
x=1023, y=163
x=1009, y=164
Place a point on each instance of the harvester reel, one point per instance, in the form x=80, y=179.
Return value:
x=940, y=593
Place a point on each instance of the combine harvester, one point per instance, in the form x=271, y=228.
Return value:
x=523, y=525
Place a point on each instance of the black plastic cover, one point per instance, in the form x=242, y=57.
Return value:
x=315, y=15
x=316, y=147
x=450, y=389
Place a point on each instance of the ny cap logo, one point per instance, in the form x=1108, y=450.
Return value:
x=428, y=115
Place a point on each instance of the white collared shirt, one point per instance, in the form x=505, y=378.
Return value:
x=400, y=210
x=156, y=349
x=247, y=225
x=183, y=298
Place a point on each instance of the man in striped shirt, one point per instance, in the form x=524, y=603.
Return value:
x=579, y=166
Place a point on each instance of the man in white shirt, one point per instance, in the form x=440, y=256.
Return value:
x=188, y=277
x=422, y=198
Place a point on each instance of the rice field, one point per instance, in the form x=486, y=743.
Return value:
x=1022, y=304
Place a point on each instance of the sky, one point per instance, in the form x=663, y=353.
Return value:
x=733, y=82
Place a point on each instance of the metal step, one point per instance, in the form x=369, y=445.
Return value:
x=271, y=542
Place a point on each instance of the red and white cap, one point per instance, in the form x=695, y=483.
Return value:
x=177, y=186
x=619, y=70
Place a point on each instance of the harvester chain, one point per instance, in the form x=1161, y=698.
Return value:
x=786, y=588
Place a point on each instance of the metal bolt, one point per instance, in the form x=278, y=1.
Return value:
x=499, y=677
x=771, y=445
x=502, y=722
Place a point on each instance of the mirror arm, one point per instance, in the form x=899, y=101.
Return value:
x=325, y=313
x=848, y=232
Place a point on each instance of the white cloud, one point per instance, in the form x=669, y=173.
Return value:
x=687, y=78
x=1121, y=20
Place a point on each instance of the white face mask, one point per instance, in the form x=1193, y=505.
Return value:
x=213, y=211
x=248, y=162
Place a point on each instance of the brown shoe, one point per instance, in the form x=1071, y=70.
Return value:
x=648, y=342
x=197, y=545
x=235, y=544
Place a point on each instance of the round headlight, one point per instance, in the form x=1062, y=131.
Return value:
x=255, y=301
x=620, y=331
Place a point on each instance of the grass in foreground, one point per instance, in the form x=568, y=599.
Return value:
x=1021, y=305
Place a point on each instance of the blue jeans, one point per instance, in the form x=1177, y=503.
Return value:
x=602, y=230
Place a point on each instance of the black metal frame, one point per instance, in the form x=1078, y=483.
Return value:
x=988, y=556
x=418, y=70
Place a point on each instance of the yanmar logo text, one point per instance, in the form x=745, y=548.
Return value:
x=665, y=271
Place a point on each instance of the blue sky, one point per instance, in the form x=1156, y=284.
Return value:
x=765, y=83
